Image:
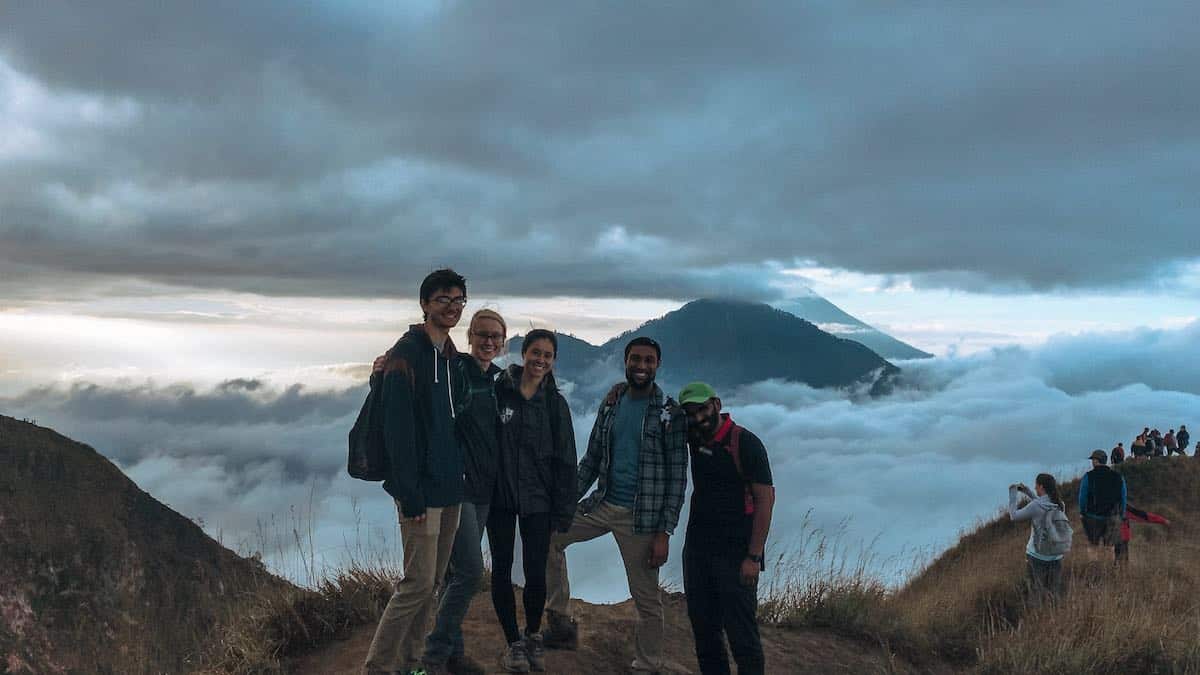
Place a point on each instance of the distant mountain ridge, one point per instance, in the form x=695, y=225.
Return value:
x=833, y=319
x=727, y=343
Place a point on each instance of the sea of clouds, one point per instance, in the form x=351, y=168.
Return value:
x=262, y=467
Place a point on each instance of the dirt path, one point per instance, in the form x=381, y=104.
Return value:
x=606, y=645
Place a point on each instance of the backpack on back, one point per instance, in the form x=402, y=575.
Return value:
x=735, y=451
x=1054, y=538
x=1104, y=492
x=367, y=459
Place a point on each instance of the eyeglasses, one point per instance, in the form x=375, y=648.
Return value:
x=495, y=338
x=445, y=300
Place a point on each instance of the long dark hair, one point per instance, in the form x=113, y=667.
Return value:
x=1051, y=487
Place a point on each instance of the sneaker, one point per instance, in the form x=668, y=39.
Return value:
x=464, y=665
x=429, y=668
x=561, y=632
x=515, y=659
x=535, y=651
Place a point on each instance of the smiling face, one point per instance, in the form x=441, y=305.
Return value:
x=486, y=339
x=539, y=358
x=444, y=307
x=703, y=419
x=641, y=365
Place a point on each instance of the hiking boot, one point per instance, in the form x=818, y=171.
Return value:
x=561, y=632
x=462, y=664
x=535, y=651
x=515, y=659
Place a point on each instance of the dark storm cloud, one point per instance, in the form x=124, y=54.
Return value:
x=598, y=149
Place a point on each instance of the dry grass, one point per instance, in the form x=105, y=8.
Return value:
x=273, y=625
x=968, y=607
x=965, y=610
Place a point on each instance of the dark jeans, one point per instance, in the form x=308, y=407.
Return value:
x=1045, y=579
x=717, y=601
x=463, y=577
x=535, y=546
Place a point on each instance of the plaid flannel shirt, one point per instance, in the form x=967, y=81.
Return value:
x=662, y=464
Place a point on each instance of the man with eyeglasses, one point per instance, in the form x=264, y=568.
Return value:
x=424, y=389
x=637, y=455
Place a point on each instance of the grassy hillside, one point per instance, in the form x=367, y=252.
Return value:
x=96, y=576
x=967, y=608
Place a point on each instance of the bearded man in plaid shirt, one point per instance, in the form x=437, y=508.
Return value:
x=638, y=454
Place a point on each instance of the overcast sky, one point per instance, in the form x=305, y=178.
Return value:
x=194, y=193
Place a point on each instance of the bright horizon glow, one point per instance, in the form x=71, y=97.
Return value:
x=207, y=337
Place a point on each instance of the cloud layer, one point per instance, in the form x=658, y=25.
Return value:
x=592, y=149
x=909, y=471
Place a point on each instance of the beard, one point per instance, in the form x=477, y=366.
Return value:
x=631, y=379
x=702, y=433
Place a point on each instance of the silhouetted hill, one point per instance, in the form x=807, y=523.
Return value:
x=832, y=319
x=96, y=576
x=571, y=350
x=727, y=343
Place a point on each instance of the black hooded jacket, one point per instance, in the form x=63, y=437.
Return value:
x=424, y=390
x=479, y=431
x=536, y=472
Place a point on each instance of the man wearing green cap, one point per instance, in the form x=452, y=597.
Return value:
x=732, y=501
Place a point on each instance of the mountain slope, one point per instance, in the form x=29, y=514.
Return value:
x=96, y=576
x=571, y=350
x=969, y=605
x=833, y=319
x=730, y=343
x=727, y=343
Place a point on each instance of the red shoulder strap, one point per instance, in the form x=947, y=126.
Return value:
x=735, y=451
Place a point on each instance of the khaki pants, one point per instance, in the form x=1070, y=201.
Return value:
x=643, y=579
x=399, y=638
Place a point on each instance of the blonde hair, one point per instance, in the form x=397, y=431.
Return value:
x=486, y=314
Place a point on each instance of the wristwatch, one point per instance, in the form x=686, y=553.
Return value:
x=756, y=559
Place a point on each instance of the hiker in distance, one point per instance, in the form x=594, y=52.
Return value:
x=1169, y=442
x=478, y=434
x=732, y=501
x=638, y=455
x=535, y=488
x=423, y=387
x=1102, y=501
x=1183, y=437
x=1049, y=536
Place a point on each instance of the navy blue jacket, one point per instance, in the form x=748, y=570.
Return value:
x=424, y=391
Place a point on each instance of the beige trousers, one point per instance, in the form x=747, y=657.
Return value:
x=400, y=637
x=643, y=579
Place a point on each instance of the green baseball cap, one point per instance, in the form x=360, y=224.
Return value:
x=696, y=392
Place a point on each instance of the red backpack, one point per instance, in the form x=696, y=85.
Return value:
x=735, y=447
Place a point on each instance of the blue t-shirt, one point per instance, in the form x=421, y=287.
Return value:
x=626, y=441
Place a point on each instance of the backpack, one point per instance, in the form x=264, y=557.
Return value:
x=1104, y=492
x=368, y=459
x=734, y=448
x=1054, y=537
